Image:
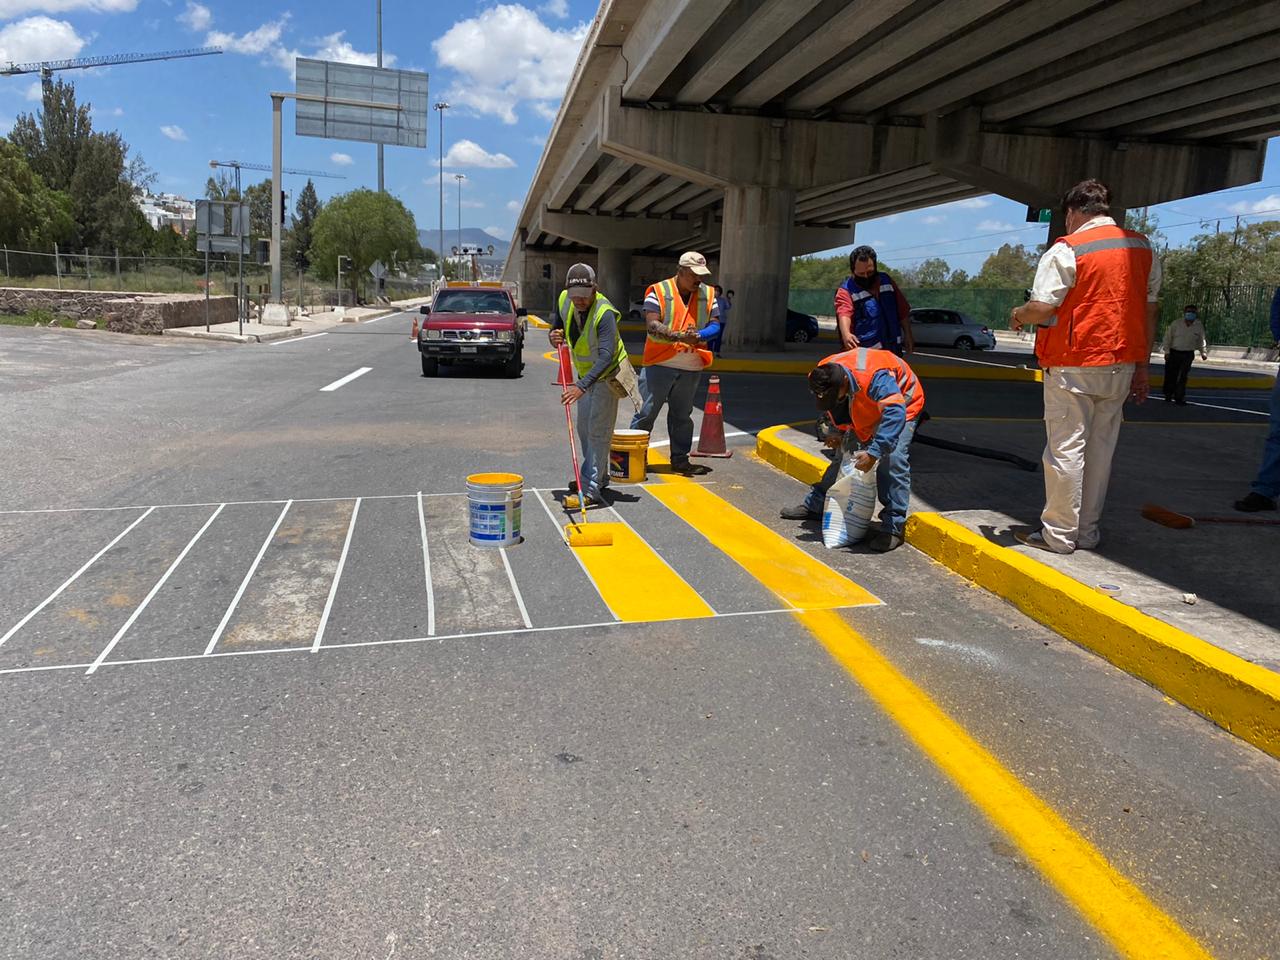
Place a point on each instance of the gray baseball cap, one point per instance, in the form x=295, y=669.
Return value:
x=580, y=275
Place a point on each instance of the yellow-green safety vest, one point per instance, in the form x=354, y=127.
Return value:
x=584, y=350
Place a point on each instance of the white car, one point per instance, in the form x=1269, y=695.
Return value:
x=949, y=328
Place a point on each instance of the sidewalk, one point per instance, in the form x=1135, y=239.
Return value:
x=1192, y=612
x=254, y=332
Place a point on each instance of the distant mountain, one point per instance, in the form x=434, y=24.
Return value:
x=431, y=240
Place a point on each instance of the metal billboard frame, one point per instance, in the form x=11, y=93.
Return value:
x=347, y=101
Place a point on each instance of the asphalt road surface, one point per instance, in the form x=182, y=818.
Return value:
x=261, y=698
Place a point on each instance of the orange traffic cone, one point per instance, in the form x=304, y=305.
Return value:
x=413, y=334
x=711, y=436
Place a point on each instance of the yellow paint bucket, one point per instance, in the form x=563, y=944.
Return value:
x=627, y=453
x=493, y=506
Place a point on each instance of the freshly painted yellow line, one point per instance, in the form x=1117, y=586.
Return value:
x=1135, y=926
x=637, y=584
x=1237, y=695
x=792, y=460
x=538, y=322
x=798, y=579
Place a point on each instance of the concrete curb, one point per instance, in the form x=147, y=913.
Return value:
x=284, y=333
x=1240, y=697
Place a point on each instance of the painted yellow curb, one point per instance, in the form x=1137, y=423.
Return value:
x=538, y=322
x=1237, y=695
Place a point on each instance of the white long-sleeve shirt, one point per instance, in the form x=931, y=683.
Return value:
x=1056, y=272
x=1185, y=336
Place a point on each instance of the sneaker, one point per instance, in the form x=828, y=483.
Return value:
x=884, y=542
x=1254, y=503
x=687, y=469
x=1035, y=539
x=800, y=512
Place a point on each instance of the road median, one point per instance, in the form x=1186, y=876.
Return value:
x=1241, y=697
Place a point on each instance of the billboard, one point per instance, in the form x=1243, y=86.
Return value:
x=363, y=89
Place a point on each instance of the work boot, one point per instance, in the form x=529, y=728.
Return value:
x=801, y=512
x=1254, y=503
x=884, y=542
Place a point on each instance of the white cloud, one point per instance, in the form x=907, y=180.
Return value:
x=341, y=159
x=514, y=206
x=173, y=132
x=38, y=38
x=15, y=8
x=556, y=8
x=256, y=41
x=505, y=56
x=973, y=203
x=333, y=47
x=118, y=112
x=1268, y=204
x=473, y=204
x=995, y=226
x=196, y=17
x=434, y=179
x=466, y=153
x=34, y=92
x=932, y=219
x=497, y=232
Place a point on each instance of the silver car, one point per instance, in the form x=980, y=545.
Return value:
x=949, y=328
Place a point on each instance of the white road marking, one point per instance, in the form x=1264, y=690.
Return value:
x=72, y=579
x=550, y=516
x=426, y=570
x=137, y=612
x=357, y=644
x=524, y=613
x=253, y=567
x=309, y=336
x=1214, y=406
x=697, y=437
x=337, y=384
x=337, y=575
x=383, y=317
x=981, y=363
x=623, y=521
x=229, y=503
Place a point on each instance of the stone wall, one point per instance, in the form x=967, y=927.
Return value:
x=149, y=313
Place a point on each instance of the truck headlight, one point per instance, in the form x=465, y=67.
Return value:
x=433, y=334
x=506, y=336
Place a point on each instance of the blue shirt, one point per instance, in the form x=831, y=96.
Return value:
x=893, y=418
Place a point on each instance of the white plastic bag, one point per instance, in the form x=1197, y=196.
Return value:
x=850, y=503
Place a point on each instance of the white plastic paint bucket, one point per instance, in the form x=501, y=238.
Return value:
x=493, y=504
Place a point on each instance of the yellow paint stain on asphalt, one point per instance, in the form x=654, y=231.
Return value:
x=119, y=600
x=636, y=583
x=1109, y=901
x=80, y=615
x=1134, y=925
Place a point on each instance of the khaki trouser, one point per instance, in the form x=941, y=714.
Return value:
x=1083, y=410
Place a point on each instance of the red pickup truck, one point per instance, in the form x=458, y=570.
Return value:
x=472, y=324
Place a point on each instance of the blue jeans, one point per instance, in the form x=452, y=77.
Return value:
x=893, y=480
x=674, y=388
x=597, y=414
x=1268, y=481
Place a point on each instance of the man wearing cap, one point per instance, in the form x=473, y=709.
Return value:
x=870, y=309
x=588, y=323
x=680, y=314
x=874, y=402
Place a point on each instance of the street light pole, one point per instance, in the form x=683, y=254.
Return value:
x=440, y=108
x=381, y=186
x=459, y=177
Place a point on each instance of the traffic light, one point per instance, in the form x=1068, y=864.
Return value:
x=263, y=253
x=546, y=271
x=284, y=216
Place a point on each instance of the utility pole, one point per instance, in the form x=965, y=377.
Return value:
x=459, y=177
x=381, y=186
x=440, y=108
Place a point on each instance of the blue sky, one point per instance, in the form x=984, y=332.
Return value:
x=503, y=67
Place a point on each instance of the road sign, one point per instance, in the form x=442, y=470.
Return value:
x=403, y=90
x=378, y=270
x=1039, y=215
x=222, y=226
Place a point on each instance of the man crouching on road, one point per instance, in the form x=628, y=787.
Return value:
x=874, y=401
x=588, y=323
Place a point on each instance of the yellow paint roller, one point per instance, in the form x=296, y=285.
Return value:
x=580, y=534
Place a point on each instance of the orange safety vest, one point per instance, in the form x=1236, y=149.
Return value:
x=677, y=315
x=864, y=363
x=1103, y=320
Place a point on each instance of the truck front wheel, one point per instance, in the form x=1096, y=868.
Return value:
x=429, y=366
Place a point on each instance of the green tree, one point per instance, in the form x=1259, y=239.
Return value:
x=305, y=212
x=1248, y=254
x=258, y=197
x=32, y=216
x=1012, y=267
x=364, y=225
x=52, y=139
x=933, y=272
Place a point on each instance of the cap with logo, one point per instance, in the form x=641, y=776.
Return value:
x=824, y=384
x=580, y=275
x=695, y=262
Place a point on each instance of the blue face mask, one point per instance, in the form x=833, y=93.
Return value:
x=1190, y=315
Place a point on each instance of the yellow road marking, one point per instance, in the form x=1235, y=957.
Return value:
x=636, y=583
x=1135, y=926
x=1113, y=904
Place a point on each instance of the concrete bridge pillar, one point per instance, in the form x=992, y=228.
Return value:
x=755, y=262
x=613, y=276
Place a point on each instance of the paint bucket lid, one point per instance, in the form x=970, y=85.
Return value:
x=495, y=479
x=631, y=435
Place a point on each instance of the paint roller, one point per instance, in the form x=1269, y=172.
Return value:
x=581, y=534
x=1180, y=521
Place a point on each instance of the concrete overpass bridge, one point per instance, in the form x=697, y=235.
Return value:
x=758, y=130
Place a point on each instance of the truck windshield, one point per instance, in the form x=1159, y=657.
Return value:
x=471, y=301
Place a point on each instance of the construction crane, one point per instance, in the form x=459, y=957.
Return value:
x=238, y=165
x=46, y=67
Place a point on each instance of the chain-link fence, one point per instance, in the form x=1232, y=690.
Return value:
x=1233, y=316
